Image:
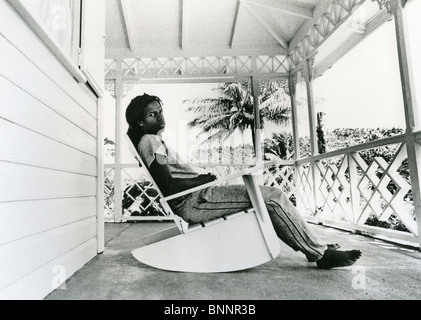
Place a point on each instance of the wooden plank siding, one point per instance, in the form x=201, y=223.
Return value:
x=48, y=165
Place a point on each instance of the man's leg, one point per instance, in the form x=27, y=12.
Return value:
x=289, y=224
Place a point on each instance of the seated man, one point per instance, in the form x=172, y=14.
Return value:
x=146, y=121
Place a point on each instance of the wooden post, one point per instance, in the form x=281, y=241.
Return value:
x=292, y=87
x=118, y=209
x=315, y=176
x=411, y=112
x=100, y=177
x=255, y=89
x=353, y=183
x=295, y=138
x=257, y=125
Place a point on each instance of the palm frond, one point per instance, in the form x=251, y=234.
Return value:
x=220, y=122
x=221, y=136
x=205, y=105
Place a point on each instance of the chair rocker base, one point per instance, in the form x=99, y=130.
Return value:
x=236, y=244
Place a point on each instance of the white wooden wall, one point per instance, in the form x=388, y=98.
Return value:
x=48, y=166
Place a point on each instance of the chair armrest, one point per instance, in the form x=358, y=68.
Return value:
x=227, y=178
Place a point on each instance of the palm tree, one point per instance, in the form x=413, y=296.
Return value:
x=233, y=110
x=280, y=146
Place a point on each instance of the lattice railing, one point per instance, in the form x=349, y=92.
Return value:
x=109, y=210
x=358, y=187
x=334, y=189
x=337, y=13
x=140, y=201
x=361, y=188
x=139, y=196
x=384, y=192
x=197, y=66
x=303, y=179
x=281, y=177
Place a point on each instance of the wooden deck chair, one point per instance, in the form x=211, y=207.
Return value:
x=235, y=242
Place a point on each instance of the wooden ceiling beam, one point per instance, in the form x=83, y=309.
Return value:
x=234, y=26
x=279, y=38
x=318, y=11
x=371, y=25
x=284, y=8
x=183, y=24
x=126, y=22
x=162, y=52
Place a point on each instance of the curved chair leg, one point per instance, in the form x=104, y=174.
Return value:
x=235, y=244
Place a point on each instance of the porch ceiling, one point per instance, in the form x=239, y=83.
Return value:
x=195, y=28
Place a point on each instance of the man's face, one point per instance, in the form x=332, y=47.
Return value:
x=153, y=120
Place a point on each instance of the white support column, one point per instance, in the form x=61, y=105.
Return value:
x=295, y=138
x=255, y=90
x=411, y=112
x=100, y=176
x=118, y=210
x=405, y=67
x=353, y=183
x=308, y=77
x=292, y=88
x=257, y=126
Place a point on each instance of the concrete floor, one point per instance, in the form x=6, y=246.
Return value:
x=385, y=271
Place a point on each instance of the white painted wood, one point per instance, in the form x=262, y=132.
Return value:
x=308, y=77
x=24, y=39
x=118, y=209
x=100, y=178
x=32, y=80
x=232, y=245
x=147, y=218
x=234, y=25
x=292, y=86
x=42, y=281
x=338, y=25
x=126, y=22
x=380, y=233
x=159, y=52
x=368, y=145
x=20, y=145
x=262, y=215
x=284, y=8
x=412, y=117
x=27, y=218
x=24, y=110
x=354, y=192
x=50, y=163
x=46, y=39
x=414, y=156
x=255, y=91
x=351, y=43
x=21, y=182
x=93, y=42
x=241, y=242
x=258, y=15
x=183, y=24
x=318, y=11
x=294, y=116
x=20, y=258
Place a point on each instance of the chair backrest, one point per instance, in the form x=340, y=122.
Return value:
x=181, y=224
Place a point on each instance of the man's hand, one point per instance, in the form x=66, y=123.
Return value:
x=206, y=178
